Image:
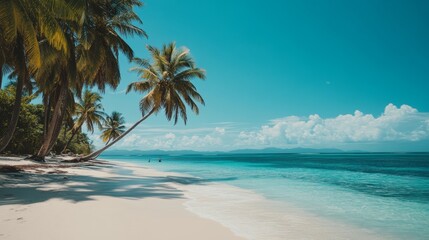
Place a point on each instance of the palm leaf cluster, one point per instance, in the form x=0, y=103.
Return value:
x=113, y=127
x=167, y=82
x=90, y=111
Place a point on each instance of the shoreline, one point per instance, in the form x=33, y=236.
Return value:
x=136, y=200
x=98, y=202
x=252, y=216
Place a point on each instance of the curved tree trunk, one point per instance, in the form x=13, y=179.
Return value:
x=47, y=113
x=74, y=131
x=55, y=123
x=98, y=152
x=8, y=134
x=22, y=77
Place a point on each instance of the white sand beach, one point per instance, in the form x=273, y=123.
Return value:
x=98, y=202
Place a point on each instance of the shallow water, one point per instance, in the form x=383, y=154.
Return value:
x=383, y=193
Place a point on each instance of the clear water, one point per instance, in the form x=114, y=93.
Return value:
x=386, y=193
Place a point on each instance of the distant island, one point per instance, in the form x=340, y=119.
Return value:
x=238, y=151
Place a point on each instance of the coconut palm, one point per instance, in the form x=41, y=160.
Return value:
x=113, y=127
x=58, y=79
x=96, y=44
x=89, y=111
x=23, y=23
x=101, y=41
x=167, y=82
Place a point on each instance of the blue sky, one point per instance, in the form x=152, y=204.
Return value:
x=271, y=59
x=291, y=74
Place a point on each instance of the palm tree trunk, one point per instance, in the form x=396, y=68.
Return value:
x=59, y=123
x=74, y=131
x=8, y=134
x=47, y=112
x=98, y=152
x=65, y=130
x=55, y=123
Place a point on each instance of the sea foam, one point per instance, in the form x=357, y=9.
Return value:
x=252, y=216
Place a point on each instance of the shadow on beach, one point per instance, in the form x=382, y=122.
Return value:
x=27, y=188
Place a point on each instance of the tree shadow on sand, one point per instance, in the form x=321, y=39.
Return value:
x=27, y=188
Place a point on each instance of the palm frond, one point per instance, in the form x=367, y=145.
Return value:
x=139, y=86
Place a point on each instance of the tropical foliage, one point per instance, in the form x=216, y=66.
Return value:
x=67, y=53
x=79, y=42
x=29, y=129
x=94, y=46
x=22, y=24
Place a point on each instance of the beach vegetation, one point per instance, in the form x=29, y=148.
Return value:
x=28, y=135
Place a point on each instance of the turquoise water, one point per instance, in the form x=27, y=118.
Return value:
x=386, y=193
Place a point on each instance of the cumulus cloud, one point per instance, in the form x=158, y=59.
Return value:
x=394, y=124
x=172, y=141
x=170, y=136
x=220, y=130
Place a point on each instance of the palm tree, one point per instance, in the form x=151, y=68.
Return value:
x=167, y=82
x=96, y=44
x=101, y=40
x=59, y=79
x=113, y=127
x=89, y=111
x=23, y=23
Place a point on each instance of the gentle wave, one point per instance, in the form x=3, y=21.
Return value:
x=252, y=216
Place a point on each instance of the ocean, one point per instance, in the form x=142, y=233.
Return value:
x=386, y=194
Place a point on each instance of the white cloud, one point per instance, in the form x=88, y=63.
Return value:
x=220, y=130
x=170, y=141
x=395, y=124
x=170, y=136
x=199, y=142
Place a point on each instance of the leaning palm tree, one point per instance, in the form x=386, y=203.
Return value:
x=89, y=111
x=113, y=127
x=167, y=82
